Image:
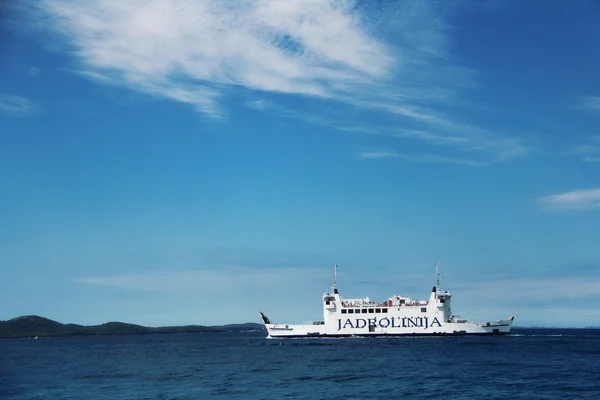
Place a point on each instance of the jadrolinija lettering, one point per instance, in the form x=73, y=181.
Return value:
x=392, y=322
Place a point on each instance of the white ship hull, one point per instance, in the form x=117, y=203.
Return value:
x=397, y=316
x=392, y=326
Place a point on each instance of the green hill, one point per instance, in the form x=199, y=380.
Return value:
x=31, y=326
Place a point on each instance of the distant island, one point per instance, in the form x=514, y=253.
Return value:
x=32, y=326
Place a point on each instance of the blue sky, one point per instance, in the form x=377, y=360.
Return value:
x=195, y=162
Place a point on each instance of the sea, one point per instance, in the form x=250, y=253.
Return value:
x=528, y=364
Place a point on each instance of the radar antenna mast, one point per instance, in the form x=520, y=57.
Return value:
x=437, y=277
x=335, y=291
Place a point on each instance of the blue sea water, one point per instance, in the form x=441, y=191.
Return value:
x=530, y=364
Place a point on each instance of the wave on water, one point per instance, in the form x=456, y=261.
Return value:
x=526, y=364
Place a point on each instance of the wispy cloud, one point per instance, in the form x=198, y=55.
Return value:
x=378, y=154
x=535, y=300
x=17, y=106
x=466, y=139
x=420, y=158
x=532, y=289
x=591, y=103
x=385, y=57
x=484, y=147
x=575, y=200
x=230, y=278
x=433, y=158
x=590, y=159
x=253, y=289
x=234, y=293
x=33, y=72
x=589, y=151
x=584, y=149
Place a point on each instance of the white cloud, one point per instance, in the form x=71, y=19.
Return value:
x=191, y=51
x=575, y=200
x=387, y=57
x=17, y=106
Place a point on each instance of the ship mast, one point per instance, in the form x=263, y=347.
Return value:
x=335, y=291
x=437, y=277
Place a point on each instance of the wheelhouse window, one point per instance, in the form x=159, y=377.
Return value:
x=343, y=311
x=357, y=311
x=384, y=310
x=351, y=311
x=364, y=310
x=371, y=311
x=423, y=309
x=378, y=310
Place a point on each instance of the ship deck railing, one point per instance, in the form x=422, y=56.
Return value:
x=385, y=304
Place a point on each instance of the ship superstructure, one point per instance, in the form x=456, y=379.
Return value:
x=396, y=316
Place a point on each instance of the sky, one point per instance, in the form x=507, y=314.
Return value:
x=178, y=162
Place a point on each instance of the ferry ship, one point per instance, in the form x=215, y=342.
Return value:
x=396, y=316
